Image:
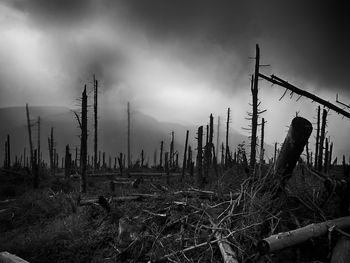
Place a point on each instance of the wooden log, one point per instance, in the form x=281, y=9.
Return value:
x=227, y=253
x=341, y=251
x=294, y=143
x=297, y=236
x=6, y=257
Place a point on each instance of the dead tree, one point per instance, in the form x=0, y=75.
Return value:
x=30, y=136
x=35, y=170
x=68, y=162
x=185, y=157
x=217, y=139
x=293, y=145
x=95, y=122
x=200, y=178
x=51, y=151
x=330, y=155
x=317, y=135
x=254, y=91
x=129, y=157
x=120, y=162
x=24, y=157
x=307, y=154
x=326, y=157
x=262, y=151
x=171, y=159
x=322, y=137
x=38, y=144
x=7, y=163
x=161, y=155
x=211, y=135
x=278, y=81
x=189, y=157
x=142, y=158
x=227, y=150
x=83, y=142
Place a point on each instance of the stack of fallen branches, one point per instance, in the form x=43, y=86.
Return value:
x=191, y=228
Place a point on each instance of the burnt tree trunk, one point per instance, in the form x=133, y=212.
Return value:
x=129, y=154
x=322, y=137
x=227, y=150
x=254, y=90
x=83, y=142
x=161, y=154
x=317, y=135
x=293, y=145
x=185, y=157
x=95, y=123
x=200, y=178
x=68, y=162
x=29, y=136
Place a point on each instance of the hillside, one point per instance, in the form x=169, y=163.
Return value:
x=146, y=132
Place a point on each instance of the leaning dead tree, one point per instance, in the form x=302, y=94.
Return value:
x=7, y=163
x=278, y=81
x=293, y=145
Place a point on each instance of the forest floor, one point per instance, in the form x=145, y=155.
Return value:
x=163, y=220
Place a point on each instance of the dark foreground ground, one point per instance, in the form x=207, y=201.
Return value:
x=168, y=220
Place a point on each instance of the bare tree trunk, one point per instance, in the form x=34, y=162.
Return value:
x=171, y=159
x=30, y=136
x=262, y=151
x=227, y=150
x=35, y=170
x=38, y=145
x=326, y=156
x=185, y=155
x=68, y=162
x=200, y=178
x=322, y=137
x=317, y=136
x=330, y=155
x=129, y=158
x=161, y=155
x=95, y=122
x=218, y=139
x=255, y=111
x=83, y=143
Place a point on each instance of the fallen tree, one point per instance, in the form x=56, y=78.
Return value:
x=297, y=236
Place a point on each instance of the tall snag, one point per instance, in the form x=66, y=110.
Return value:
x=30, y=136
x=95, y=123
x=68, y=162
x=254, y=91
x=184, y=159
x=322, y=137
x=129, y=157
x=83, y=142
x=227, y=150
x=317, y=135
x=200, y=177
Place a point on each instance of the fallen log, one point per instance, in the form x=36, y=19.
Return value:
x=6, y=257
x=297, y=236
x=227, y=253
x=341, y=251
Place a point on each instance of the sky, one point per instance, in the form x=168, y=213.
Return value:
x=177, y=61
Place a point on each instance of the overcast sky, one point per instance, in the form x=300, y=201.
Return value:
x=178, y=60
